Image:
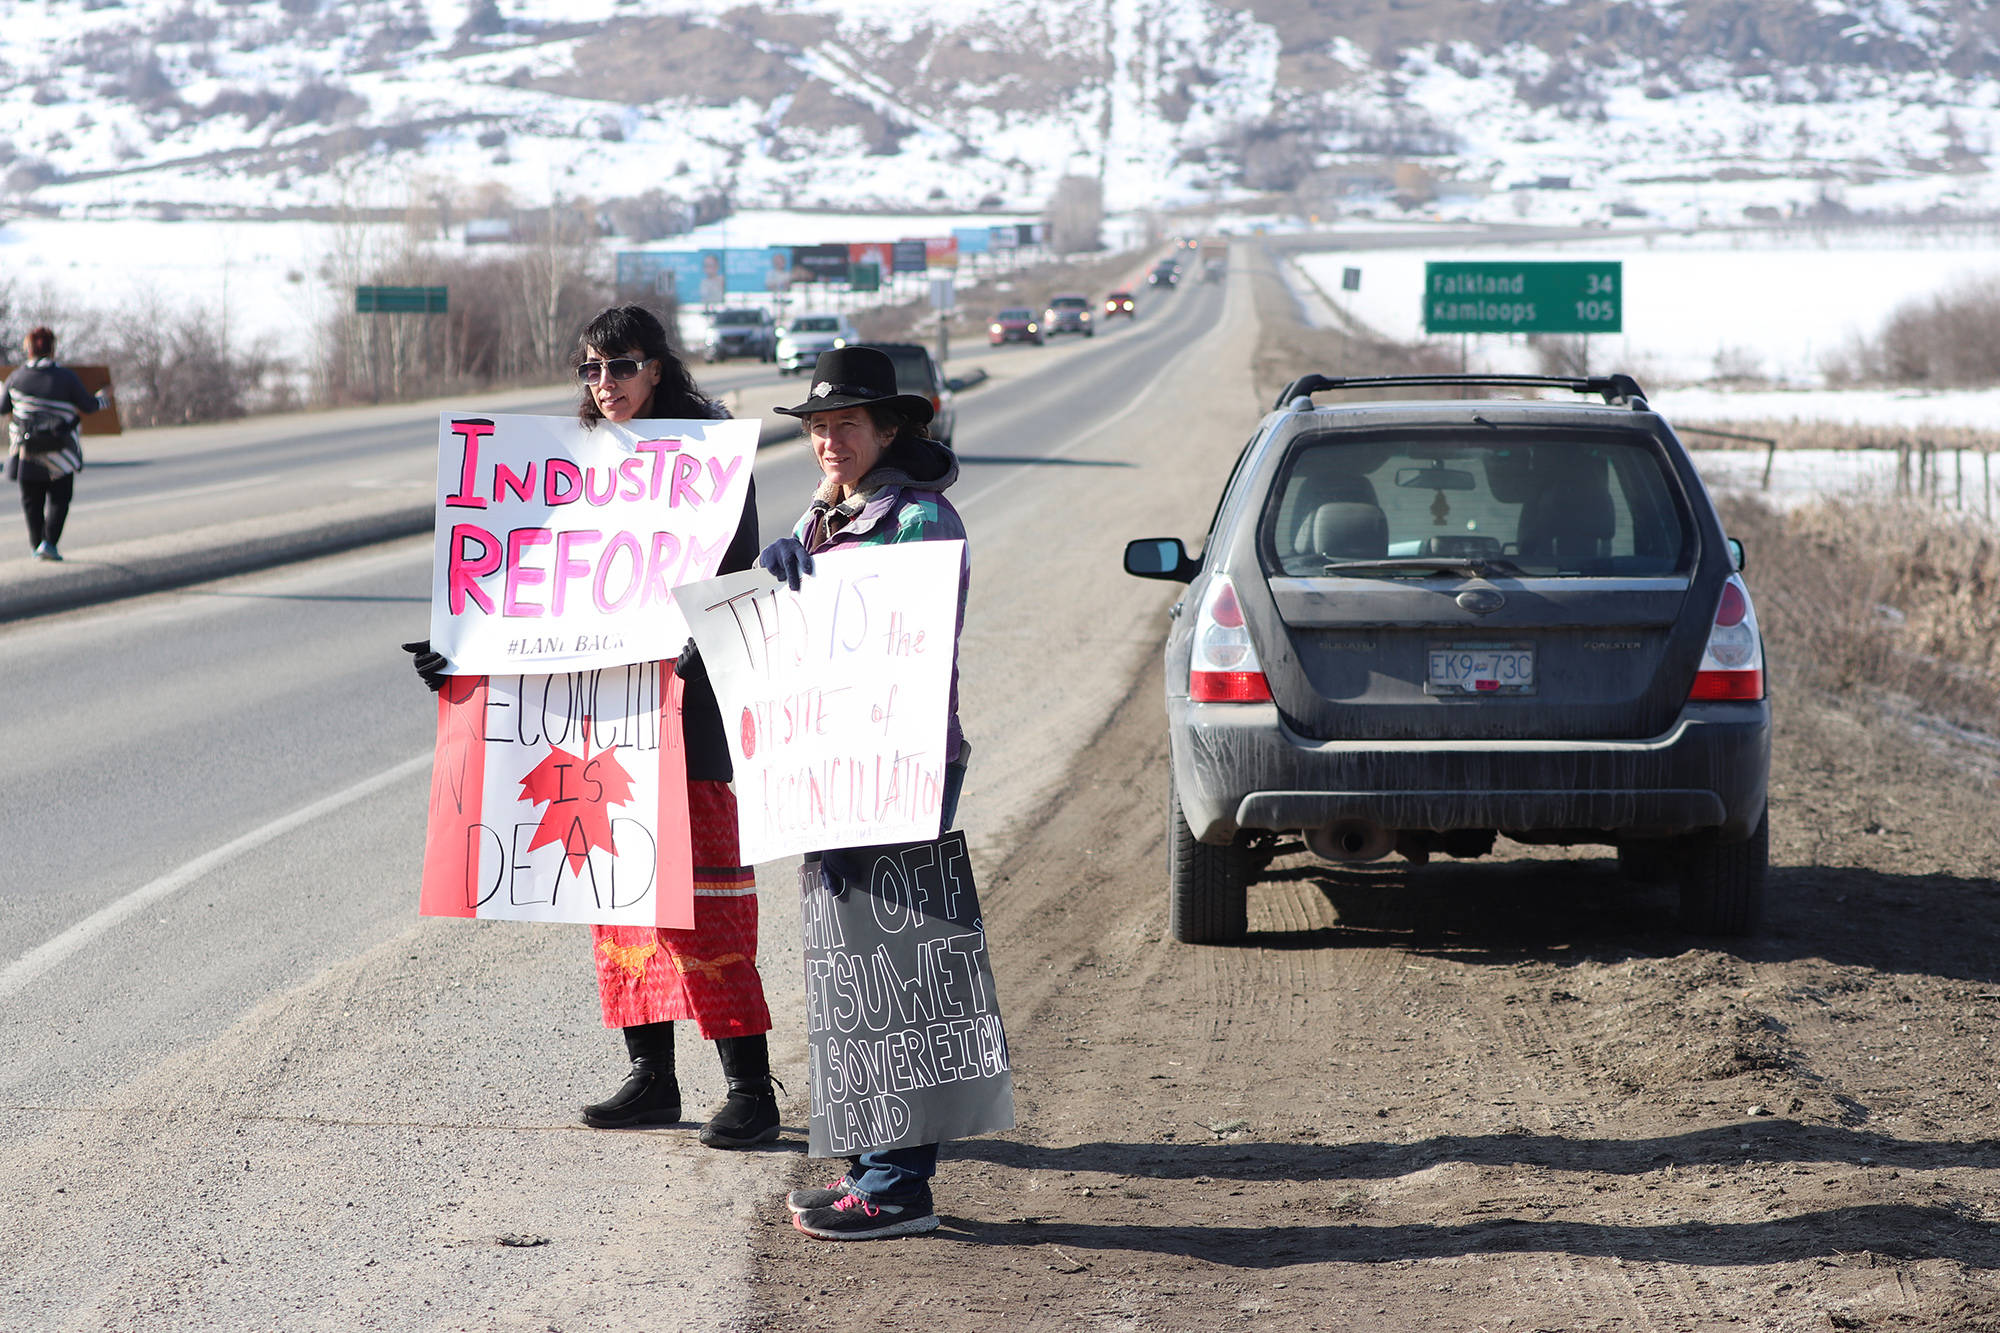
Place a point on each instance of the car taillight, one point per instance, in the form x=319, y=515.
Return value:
x=1224, y=667
x=1732, y=665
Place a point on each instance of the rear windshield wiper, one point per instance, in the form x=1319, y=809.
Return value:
x=1435, y=564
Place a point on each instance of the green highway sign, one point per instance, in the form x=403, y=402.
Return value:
x=1503, y=296
x=399, y=300
x=864, y=277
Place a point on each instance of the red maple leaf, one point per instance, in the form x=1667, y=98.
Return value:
x=580, y=793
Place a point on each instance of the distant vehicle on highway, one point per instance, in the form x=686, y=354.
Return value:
x=1118, y=303
x=1166, y=273
x=917, y=372
x=1213, y=270
x=1068, y=313
x=1015, y=324
x=805, y=336
x=745, y=331
x=1418, y=625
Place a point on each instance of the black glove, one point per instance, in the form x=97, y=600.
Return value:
x=689, y=666
x=431, y=666
x=787, y=558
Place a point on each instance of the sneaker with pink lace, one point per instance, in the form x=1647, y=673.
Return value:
x=855, y=1218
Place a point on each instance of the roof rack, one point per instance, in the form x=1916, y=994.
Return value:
x=1614, y=388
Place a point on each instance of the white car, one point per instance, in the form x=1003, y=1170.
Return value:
x=803, y=338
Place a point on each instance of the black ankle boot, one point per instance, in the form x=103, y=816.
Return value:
x=750, y=1115
x=649, y=1095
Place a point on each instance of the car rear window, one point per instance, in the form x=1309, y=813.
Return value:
x=1014, y=313
x=1068, y=303
x=816, y=324
x=740, y=317
x=1543, y=502
x=913, y=368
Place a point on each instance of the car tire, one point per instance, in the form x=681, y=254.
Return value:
x=1722, y=883
x=1207, y=886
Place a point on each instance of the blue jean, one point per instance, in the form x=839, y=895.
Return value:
x=895, y=1175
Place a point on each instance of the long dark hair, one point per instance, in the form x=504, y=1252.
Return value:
x=632, y=328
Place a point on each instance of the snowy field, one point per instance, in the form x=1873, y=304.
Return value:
x=1801, y=476
x=1743, y=305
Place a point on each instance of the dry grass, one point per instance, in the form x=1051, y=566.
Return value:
x=1857, y=597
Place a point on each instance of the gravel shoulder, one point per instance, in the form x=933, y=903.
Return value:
x=1496, y=1094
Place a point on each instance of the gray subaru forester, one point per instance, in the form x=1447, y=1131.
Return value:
x=1416, y=626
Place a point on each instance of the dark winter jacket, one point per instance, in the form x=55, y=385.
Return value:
x=901, y=500
x=41, y=387
x=701, y=717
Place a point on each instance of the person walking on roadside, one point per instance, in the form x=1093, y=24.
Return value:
x=649, y=978
x=45, y=404
x=883, y=480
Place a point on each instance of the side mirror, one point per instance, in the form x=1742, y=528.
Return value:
x=1736, y=558
x=1160, y=558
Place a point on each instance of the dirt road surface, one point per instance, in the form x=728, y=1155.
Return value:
x=1501, y=1094
x=1486, y=1095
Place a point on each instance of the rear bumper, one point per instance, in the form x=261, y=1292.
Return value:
x=1236, y=767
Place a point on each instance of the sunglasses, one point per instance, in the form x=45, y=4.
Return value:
x=618, y=368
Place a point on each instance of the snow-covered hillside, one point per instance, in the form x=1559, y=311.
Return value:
x=1677, y=110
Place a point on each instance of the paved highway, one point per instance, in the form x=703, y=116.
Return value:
x=245, y=1080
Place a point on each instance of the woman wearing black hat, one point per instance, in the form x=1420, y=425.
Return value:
x=646, y=977
x=883, y=480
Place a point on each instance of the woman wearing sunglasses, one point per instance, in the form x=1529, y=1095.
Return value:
x=648, y=978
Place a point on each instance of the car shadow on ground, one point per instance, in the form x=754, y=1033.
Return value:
x=1508, y=912
x=1902, y=1230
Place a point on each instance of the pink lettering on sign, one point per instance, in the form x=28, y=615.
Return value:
x=518, y=541
x=562, y=483
x=635, y=485
x=466, y=569
x=568, y=567
x=686, y=469
x=720, y=476
x=470, y=432
x=659, y=449
x=599, y=590
x=660, y=568
x=505, y=479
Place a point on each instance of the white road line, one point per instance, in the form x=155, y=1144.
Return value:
x=154, y=497
x=24, y=970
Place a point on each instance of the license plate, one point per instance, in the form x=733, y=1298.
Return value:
x=1481, y=669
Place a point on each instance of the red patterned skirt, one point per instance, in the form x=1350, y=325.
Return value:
x=708, y=974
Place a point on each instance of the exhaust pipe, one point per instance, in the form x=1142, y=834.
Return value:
x=1350, y=840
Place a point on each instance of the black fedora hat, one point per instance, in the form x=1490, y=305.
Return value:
x=856, y=377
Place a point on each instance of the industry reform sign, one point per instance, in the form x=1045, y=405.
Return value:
x=1513, y=296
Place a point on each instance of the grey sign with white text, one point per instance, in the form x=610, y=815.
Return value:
x=903, y=1032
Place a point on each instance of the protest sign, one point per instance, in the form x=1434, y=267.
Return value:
x=834, y=697
x=904, y=1043
x=556, y=546
x=561, y=798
